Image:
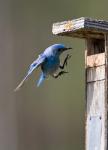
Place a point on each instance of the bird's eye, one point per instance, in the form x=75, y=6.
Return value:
x=59, y=49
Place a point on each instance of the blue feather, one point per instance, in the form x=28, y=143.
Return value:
x=41, y=79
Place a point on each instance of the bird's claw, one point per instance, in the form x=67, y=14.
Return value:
x=67, y=57
x=65, y=61
x=59, y=74
x=62, y=72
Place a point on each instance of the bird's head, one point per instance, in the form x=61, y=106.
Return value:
x=57, y=49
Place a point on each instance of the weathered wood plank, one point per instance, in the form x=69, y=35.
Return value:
x=105, y=136
x=94, y=127
x=96, y=73
x=81, y=28
x=95, y=93
x=95, y=98
x=96, y=110
x=96, y=60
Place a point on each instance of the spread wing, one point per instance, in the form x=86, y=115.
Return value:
x=34, y=65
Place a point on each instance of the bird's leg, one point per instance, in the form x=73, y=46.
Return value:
x=65, y=61
x=59, y=74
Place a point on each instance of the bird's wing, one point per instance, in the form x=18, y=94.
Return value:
x=41, y=59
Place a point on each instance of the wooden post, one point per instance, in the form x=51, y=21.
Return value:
x=95, y=33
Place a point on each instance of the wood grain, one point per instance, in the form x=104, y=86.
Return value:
x=81, y=28
x=96, y=76
x=95, y=95
x=95, y=60
x=96, y=73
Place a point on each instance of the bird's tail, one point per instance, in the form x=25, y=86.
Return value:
x=21, y=83
x=41, y=79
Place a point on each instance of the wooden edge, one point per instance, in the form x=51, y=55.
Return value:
x=81, y=28
x=95, y=74
x=67, y=26
x=105, y=143
x=95, y=60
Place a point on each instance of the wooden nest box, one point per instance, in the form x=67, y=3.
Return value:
x=95, y=33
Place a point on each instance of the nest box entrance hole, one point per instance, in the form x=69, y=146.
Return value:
x=95, y=46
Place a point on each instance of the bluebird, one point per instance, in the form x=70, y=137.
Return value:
x=49, y=61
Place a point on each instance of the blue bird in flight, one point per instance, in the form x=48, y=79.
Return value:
x=49, y=62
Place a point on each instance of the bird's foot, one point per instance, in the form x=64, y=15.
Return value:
x=65, y=61
x=59, y=74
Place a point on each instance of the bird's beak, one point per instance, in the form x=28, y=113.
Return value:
x=67, y=48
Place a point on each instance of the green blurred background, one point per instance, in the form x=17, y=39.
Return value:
x=50, y=117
